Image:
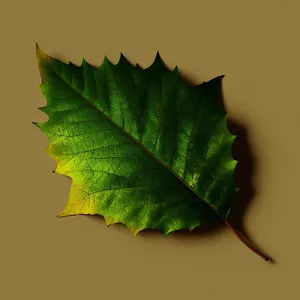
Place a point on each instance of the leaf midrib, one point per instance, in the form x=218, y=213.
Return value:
x=136, y=141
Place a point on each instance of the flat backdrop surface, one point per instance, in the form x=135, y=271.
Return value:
x=256, y=44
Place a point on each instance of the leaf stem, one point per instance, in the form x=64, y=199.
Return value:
x=246, y=243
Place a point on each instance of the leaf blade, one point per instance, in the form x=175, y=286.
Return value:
x=102, y=100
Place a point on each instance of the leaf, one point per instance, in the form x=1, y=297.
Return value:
x=142, y=148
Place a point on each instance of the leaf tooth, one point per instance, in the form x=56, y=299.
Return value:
x=105, y=61
x=175, y=70
x=157, y=56
x=50, y=151
x=84, y=62
x=138, y=66
x=135, y=230
x=158, y=60
x=191, y=228
x=123, y=60
x=37, y=124
x=109, y=221
x=43, y=109
x=166, y=232
x=64, y=214
x=157, y=63
x=60, y=215
x=219, y=77
x=72, y=64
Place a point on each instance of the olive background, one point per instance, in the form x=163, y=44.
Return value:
x=256, y=44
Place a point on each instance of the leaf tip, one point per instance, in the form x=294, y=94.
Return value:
x=40, y=54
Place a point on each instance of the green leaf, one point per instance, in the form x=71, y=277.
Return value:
x=142, y=147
